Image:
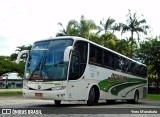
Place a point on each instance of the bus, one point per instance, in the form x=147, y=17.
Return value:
x=71, y=68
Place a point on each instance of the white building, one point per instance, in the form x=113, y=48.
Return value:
x=11, y=80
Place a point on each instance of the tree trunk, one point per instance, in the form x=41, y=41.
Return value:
x=131, y=44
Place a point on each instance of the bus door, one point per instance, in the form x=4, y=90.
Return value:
x=76, y=82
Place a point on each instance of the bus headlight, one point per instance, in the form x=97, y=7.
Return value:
x=58, y=88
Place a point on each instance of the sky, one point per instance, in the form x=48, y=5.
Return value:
x=22, y=22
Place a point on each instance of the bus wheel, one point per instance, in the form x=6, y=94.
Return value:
x=91, y=99
x=136, y=98
x=57, y=102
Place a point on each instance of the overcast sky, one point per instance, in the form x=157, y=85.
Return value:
x=24, y=21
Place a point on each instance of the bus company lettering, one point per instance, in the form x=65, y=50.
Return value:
x=118, y=77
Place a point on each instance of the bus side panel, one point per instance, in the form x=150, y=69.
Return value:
x=114, y=84
x=77, y=89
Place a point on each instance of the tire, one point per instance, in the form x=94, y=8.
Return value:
x=57, y=102
x=136, y=98
x=91, y=98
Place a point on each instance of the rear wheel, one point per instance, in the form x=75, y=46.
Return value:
x=136, y=98
x=91, y=99
x=57, y=102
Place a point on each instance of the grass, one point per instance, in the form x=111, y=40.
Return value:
x=11, y=91
x=153, y=97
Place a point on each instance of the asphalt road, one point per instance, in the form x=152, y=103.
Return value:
x=74, y=107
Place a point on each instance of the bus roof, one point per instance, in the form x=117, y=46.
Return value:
x=80, y=38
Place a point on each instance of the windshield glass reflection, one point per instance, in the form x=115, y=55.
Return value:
x=46, y=60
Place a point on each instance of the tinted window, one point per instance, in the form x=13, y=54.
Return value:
x=118, y=62
x=78, y=61
x=82, y=48
x=95, y=54
x=108, y=59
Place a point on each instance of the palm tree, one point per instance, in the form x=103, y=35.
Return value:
x=108, y=25
x=108, y=40
x=122, y=47
x=75, y=28
x=95, y=38
x=85, y=27
x=134, y=26
x=23, y=47
x=70, y=29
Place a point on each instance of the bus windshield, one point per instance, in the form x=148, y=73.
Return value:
x=45, y=61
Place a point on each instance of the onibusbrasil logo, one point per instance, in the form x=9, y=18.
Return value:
x=21, y=111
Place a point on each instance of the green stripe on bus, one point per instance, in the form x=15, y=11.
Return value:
x=106, y=85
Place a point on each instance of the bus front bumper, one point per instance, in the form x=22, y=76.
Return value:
x=50, y=95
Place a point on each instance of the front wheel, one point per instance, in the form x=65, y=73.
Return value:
x=91, y=98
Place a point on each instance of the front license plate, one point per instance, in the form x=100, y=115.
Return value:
x=38, y=94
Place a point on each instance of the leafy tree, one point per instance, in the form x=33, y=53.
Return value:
x=70, y=29
x=85, y=27
x=13, y=56
x=109, y=25
x=6, y=66
x=122, y=47
x=75, y=28
x=149, y=53
x=95, y=38
x=23, y=47
x=20, y=69
x=109, y=40
x=134, y=25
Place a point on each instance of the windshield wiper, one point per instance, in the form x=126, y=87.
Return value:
x=36, y=67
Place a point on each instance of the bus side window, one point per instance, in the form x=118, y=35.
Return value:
x=74, y=67
x=123, y=63
x=126, y=66
x=144, y=71
x=129, y=67
x=134, y=68
x=95, y=55
x=92, y=59
x=105, y=58
x=108, y=59
x=82, y=48
x=139, y=69
x=118, y=62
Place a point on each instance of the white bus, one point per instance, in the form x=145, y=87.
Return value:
x=74, y=68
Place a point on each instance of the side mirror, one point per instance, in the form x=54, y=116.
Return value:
x=20, y=54
x=67, y=53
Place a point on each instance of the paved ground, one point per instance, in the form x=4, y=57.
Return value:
x=17, y=101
